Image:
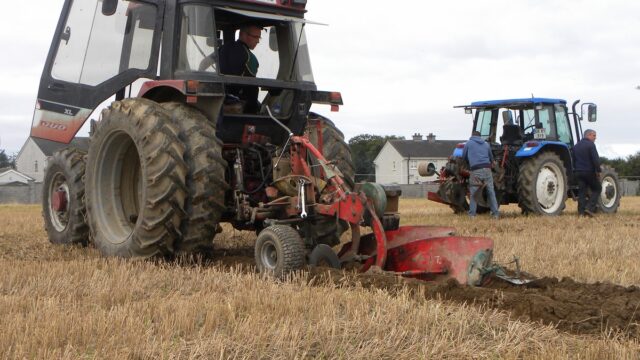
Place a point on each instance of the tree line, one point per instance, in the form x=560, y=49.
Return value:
x=629, y=167
x=7, y=160
x=364, y=149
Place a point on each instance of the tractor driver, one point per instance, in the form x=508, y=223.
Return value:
x=237, y=59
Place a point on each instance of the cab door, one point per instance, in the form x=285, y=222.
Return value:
x=95, y=53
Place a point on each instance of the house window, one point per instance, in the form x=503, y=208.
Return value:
x=413, y=164
x=394, y=165
x=35, y=166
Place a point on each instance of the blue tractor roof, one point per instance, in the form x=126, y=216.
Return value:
x=515, y=102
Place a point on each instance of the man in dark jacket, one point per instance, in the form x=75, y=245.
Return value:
x=237, y=59
x=587, y=172
x=477, y=153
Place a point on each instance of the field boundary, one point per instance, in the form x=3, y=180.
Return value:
x=32, y=193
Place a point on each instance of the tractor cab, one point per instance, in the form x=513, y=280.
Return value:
x=516, y=121
x=170, y=51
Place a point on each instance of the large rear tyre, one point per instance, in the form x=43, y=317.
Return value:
x=542, y=185
x=135, y=182
x=609, y=200
x=326, y=137
x=63, y=206
x=279, y=250
x=205, y=179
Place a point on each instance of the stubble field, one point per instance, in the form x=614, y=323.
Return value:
x=66, y=302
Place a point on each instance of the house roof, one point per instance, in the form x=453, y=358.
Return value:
x=9, y=169
x=48, y=147
x=14, y=183
x=425, y=148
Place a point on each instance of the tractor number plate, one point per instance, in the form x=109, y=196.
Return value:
x=540, y=134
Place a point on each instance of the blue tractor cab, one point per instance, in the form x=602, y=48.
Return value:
x=531, y=139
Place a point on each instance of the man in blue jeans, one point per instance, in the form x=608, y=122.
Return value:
x=477, y=153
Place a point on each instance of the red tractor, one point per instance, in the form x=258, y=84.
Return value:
x=171, y=161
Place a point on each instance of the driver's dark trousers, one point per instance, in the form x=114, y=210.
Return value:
x=587, y=180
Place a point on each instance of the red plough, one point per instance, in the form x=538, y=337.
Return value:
x=422, y=252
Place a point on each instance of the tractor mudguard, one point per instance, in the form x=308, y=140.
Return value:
x=457, y=152
x=533, y=147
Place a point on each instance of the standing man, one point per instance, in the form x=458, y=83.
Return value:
x=587, y=171
x=477, y=153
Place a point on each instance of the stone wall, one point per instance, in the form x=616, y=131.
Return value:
x=21, y=194
x=414, y=191
x=417, y=191
x=32, y=193
x=629, y=187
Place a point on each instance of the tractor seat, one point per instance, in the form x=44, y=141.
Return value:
x=511, y=135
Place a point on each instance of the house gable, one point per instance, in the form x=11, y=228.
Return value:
x=407, y=155
x=32, y=158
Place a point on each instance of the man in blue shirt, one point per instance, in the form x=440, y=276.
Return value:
x=587, y=171
x=477, y=153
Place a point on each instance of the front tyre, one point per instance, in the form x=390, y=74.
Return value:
x=63, y=206
x=135, y=188
x=542, y=185
x=279, y=250
x=609, y=200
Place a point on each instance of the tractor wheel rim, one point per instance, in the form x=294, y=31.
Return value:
x=269, y=255
x=549, y=188
x=609, y=192
x=59, y=218
x=120, y=187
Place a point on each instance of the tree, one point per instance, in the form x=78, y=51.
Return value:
x=364, y=149
x=633, y=165
x=625, y=167
x=7, y=160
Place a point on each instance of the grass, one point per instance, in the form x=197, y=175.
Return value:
x=68, y=303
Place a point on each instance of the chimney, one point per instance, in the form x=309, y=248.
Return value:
x=431, y=138
x=417, y=137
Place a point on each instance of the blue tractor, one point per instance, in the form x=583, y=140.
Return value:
x=532, y=141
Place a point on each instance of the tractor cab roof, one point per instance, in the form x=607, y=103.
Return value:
x=296, y=7
x=526, y=103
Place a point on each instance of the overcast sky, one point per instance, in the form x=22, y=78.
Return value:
x=402, y=66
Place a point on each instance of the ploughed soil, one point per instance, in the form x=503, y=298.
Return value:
x=571, y=306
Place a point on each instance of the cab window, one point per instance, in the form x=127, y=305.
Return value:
x=94, y=48
x=483, y=122
x=563, y=126
x=197, y=39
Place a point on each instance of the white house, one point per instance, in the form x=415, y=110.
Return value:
x=32, y=158
x=11, y=176
x=398, y=160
